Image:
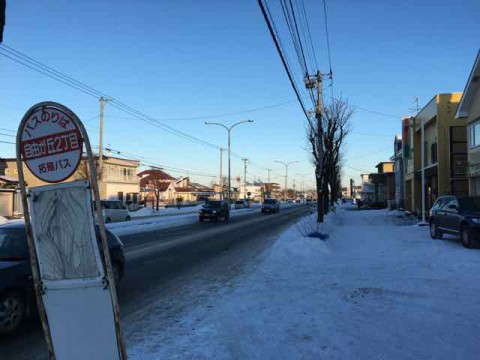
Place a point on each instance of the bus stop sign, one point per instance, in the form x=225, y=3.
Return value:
x=51, y=144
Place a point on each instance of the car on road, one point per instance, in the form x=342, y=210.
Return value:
x=214, y=211
x=270, y=206
x=457, y=216
x=17, y=296
x=114, y=210
x=242, y=204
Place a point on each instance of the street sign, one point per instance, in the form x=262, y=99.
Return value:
x=71, y=267
x=51, y=144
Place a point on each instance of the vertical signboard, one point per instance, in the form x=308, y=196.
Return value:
x=71, y=266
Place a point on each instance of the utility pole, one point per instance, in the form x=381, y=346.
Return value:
x=245, y=160
x=220, y=180
x=319, y=166
x=268, y=184
x=103, y=102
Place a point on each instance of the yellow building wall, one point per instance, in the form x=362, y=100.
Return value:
x=438, y=116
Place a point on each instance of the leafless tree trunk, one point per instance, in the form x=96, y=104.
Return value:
x=335, y=125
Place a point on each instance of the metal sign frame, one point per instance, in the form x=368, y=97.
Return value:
x=109, y=276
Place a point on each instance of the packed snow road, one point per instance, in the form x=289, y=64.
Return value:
x=163, y=260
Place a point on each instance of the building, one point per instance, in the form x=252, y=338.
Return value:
x=469, y=112
x=445, y=153
x=368, y=189
x=397, y=159
x=189, y=191
x=116, y=180
x=153, y=180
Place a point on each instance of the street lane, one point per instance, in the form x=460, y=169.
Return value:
x=157, y=260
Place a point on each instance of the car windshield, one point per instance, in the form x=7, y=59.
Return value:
x=213, y=204
x=13, y=244
x=269, y=201
x=469, y=203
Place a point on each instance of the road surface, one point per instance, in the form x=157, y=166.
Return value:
x=167, y=261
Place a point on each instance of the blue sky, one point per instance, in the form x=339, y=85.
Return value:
x=184, y=59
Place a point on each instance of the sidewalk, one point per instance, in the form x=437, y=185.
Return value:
x=378, y=288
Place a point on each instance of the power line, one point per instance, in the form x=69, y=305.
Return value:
x=327, y=36
x=3, y=134
x=5, y=129
x=264, y=9
x=36, y=65
x=7, y=142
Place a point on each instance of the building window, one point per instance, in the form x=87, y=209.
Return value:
x=474, y=133
x=433, y=153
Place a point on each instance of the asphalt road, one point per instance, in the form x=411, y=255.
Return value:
x=158, y=261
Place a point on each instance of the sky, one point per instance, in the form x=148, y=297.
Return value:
x=187, y=62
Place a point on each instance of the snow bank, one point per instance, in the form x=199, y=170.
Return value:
x=374, y=290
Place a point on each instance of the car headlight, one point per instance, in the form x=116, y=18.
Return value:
x=476, y=221
x=214, y=212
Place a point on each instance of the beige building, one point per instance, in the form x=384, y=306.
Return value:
x=445, y=153
x=469, y=112
x=117, y=179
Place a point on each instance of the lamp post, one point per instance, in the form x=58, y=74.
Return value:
x=286, y=174
x=303, y=184
x=229, y=130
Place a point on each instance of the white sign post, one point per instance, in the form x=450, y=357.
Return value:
x=74, y=283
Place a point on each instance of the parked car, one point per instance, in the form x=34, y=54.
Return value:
x=242, y=204
x=17, y=295
x=456, y=216
x=114, y=210
x=270, y=206
x=214, y=210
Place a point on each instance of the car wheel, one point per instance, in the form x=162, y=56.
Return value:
x=466, y=237
x=227, y=217
x=108, y=221
x=12, y=312
x=200, y=219
x=434, y=232
x=127, y=218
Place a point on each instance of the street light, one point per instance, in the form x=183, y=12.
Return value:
x=286, y=173
x=303, y=183
x=229, y=130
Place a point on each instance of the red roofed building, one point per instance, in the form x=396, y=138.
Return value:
x=157, y=180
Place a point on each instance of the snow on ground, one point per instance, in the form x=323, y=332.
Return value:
x=376, y=289
x=140, y=225
x=144, y=212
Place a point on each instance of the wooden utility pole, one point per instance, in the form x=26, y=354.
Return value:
x=319, y=166
x=102, y=102
x=245, y=160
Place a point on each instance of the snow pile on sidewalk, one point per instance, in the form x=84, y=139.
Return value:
x=373, y=290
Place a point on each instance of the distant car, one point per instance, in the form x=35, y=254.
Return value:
x=114, y=210
x=214, y=211
x=456, y=216
x=270, y=206
x=298, y=201
x=17, y=295
x=242, y=204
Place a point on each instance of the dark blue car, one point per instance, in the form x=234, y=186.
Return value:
x=17, y=297
x=457, y=216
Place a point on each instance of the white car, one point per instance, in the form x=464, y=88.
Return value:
x=114, y=210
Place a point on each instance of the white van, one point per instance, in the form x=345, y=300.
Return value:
x=114, y=210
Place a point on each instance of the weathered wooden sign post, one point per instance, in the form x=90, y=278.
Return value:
x=72, y=271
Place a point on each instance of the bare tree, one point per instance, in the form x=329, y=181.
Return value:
x=83, y=173
x=157, y=186
x=326, y=145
